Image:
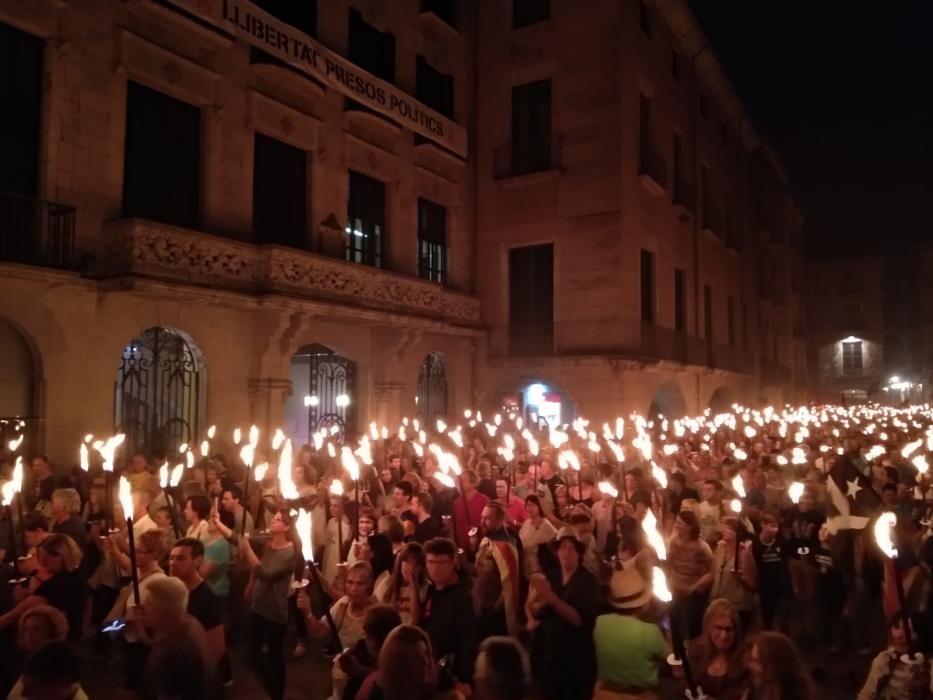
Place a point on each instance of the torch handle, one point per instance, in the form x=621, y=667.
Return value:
x=9, y=517
x=134, y=572
x=325, y=599
x=902, y=603
x=245, y=501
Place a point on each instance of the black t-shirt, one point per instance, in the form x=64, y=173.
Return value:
x=427, y=530
x=67, y=592
x=804, y=529
x=204, y=606
x=449, y=620
x=75, y=528
x=771, y=560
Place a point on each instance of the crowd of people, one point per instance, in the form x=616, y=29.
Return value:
x=524, y=579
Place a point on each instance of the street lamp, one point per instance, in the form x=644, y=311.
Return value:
x=342, y=401
x=311, y=401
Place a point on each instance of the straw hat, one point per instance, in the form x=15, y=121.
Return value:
x=628, y=590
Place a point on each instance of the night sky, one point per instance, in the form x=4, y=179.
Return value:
x=844, y=92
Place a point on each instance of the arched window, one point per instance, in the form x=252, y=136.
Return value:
x=327, y=384
x=17, y=390
x=431, y=399
x=158, y=394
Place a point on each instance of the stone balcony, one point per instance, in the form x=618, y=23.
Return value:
x=142, y=248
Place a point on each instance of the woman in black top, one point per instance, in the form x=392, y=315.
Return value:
x=65, y=588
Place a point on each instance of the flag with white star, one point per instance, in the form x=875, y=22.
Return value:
x=851, y=495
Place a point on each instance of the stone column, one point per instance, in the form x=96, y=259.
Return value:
x=267, y=396
x=387, y=404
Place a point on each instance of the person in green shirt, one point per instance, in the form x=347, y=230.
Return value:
x=629, y=651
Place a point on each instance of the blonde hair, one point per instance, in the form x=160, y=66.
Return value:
x=168, y=594
x=154, y=540
x=54, y=618
x=65, y=547
x=69, y=498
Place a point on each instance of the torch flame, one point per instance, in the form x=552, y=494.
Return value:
x=336, y=488
x=650, y=526
x=14, y=444
x=205, y=448
x=607, y=488
x=253, y=436
x=237, y=436
x=177, y=472
x=567, y=459
x=738, y=486
x=920, y=462
x=278, y=438
x=349, y=463
x=125, y=496
x=883, y=527
x=84, y=457
x=659, y=585
x=795, y=491
x=259, y=473
x=441, y=426
x=286, y=483
x=659, y=475
x=444, y=479
x=303, y=525
x=247, y=455
x=163, y=475
x=211, y=432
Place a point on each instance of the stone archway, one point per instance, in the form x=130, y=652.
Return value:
x=721, y=400
x=18, y=399
x=324, y=393
x=668, y=401
x=159, y=391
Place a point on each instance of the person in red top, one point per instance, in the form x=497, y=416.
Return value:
x=468, y=507
x=515, y=509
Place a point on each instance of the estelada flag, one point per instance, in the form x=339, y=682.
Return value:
x=851, y=496
x=505, y=554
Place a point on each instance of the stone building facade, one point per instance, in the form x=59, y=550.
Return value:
x=306, y=215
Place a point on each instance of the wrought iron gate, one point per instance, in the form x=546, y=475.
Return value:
x=157, y=397
x=332, y=383
x=432, y=388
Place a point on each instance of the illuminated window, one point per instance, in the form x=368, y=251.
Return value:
x=365, y=220
x=852, y=355
x=432, y=241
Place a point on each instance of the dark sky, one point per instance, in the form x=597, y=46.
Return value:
x=844, y=92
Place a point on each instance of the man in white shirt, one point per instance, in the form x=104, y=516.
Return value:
x=709, y=510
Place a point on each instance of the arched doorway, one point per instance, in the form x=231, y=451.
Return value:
x=17, y=390
x=326, y=385
x=721, y=401
x=668, y=401
x=431, y=399
x=158, y=393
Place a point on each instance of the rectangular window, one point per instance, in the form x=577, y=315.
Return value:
x=730, y=320
x=162, y=158
x=20, y=111
x=366, y=215
x=675, y=65
x=644, y=18
x=707, y=313
x=445, y=9
x=531, y=300
x=647, y=286
x=852, y=356
x=280, y=193
x=527, y=12
x=433, y=88
x=680, y=301
x=370, y=49
x=432, y=241
x=531, y=127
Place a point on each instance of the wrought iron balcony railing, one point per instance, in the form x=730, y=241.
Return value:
x=36, y=232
